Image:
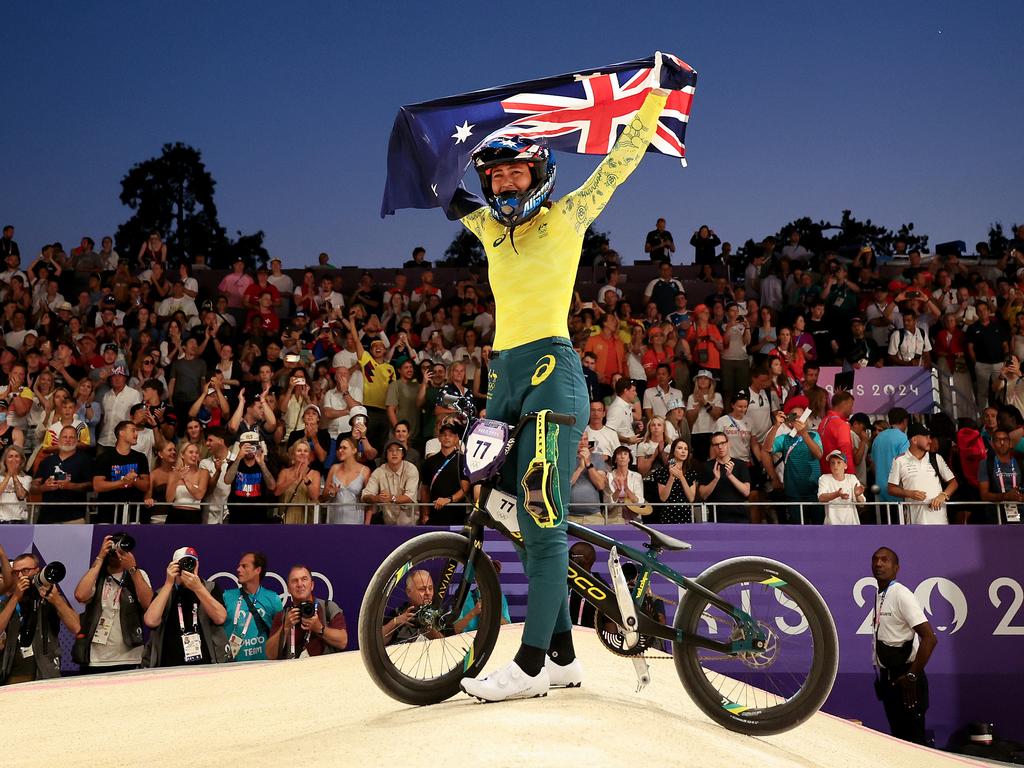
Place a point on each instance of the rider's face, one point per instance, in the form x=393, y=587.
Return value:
x=510, y=177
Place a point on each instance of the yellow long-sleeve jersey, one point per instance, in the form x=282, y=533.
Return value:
x=533, y=282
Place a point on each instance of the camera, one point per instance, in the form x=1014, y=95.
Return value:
x=51, y=575
x=307, y=609
x=291, y=359
x=122, y=541
x=188, y=563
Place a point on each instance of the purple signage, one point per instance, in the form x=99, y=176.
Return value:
x=878, y=389
x=968, y=579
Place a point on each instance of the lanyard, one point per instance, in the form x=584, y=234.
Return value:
x=879, y=604
x=238, y=608
x=117, y=595
x=441, y=469
x=1002, y=478
x=181, y=617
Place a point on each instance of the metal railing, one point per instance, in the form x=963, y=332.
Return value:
x=800, y=513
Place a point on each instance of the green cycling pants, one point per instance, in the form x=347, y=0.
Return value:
x=544, y=374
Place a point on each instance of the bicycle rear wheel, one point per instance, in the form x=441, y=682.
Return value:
x=779, y=687
x=423, y=661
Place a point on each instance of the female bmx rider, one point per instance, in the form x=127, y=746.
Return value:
x=533, y=251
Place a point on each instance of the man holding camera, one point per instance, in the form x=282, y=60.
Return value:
x=186, y=617
x=307, y=625
x=250, y=610
x=116, y=594
x=30, y=619
x=252, y=483
x=401, y=626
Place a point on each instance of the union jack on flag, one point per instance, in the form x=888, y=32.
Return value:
x=581, y=113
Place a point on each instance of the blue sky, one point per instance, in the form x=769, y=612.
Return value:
x=901, y=112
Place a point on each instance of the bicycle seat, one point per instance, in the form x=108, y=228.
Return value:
x=659, y=539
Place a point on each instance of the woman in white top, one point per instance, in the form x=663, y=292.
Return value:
x=14, y=487
x=469, y=354
x=703, y=407
x=344, y=487
x=635, y=351
x=654, y=447
x=189, y=283
x=840, y=492
x=186, y=488
x=226, y=364
x=624, y=486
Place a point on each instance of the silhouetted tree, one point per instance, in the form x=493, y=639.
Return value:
x=465, y=250
x=173, y=193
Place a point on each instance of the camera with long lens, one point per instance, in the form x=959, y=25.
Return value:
x=123, y=542
x=51, y=575
x=307, y=609
x=188, y=563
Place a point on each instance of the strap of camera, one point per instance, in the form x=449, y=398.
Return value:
x=260, y=623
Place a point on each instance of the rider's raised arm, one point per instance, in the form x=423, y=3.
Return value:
x=471, y=210
x=586, y=203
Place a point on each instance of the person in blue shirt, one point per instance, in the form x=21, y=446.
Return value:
x=469, y=619
x=251, y=608
x=891, y=443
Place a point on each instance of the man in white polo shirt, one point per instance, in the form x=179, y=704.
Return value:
x=919, y=476
x=657, y=398
x=904, y=641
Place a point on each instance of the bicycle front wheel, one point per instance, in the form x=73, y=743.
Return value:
x=416, y=642
x=774, y=689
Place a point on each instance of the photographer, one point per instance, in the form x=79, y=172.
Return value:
x=252, y=483
x=110, y=639
x=250, y=609
x=30, y=619
x=186, y=617
x=400, y=626
x=307, y=625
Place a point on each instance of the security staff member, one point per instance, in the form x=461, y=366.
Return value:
x=904, y=642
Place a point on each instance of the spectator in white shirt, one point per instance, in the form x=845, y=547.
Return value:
x=621, y=413
x=657, y=398
x=909, y=345
x=840, y=492
x=601, y=439
x=117, y=404
x=284, y=284
x=918, y=475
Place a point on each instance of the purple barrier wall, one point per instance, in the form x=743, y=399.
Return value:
x=969, y=580
x=878, y=389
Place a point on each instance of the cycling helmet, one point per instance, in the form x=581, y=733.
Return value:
x=513, y=208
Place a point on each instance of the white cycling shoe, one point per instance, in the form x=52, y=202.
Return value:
x=569, y=676
x=509, y=682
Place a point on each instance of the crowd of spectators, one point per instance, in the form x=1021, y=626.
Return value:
x=132, y=389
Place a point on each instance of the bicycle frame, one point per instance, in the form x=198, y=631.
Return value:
x=594, y=590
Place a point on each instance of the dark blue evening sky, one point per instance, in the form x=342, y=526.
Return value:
x=900, y=111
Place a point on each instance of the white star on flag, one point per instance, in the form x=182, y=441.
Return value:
x=463, y=132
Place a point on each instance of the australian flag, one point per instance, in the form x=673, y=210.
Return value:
x=580, y=112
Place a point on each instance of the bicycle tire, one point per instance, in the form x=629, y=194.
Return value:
x=406, y=688
x=691, y=661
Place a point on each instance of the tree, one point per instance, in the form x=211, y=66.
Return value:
x=465, y=250
x=173, y=194
x=849, y=235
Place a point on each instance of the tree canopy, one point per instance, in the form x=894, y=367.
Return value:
x=173, y=194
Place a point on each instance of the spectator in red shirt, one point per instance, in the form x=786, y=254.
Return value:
x=254, y=292
x=835, y=430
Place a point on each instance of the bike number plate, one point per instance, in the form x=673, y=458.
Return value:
x=502, y=507
x=485, y=449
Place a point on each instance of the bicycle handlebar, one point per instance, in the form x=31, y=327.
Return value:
x=454, y=402
x=561, y=418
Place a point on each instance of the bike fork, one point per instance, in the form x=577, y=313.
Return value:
x=627, y=608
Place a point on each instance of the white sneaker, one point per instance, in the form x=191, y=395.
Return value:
x=509, y=682
x=569, y=676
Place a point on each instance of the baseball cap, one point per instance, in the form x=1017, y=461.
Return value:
x=918, y=429
x=249, y=438
x=392, y=443
x=64, y=306
x=119, y=371
x=836, y=454
x=701, y=308
x=112, y=347
x=675, y=402
x=181, y=552
x=448, y=426
x=703, y=374
x=312, y=407
x=856, y=319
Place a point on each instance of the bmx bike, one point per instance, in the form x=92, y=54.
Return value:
x=753, y=642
